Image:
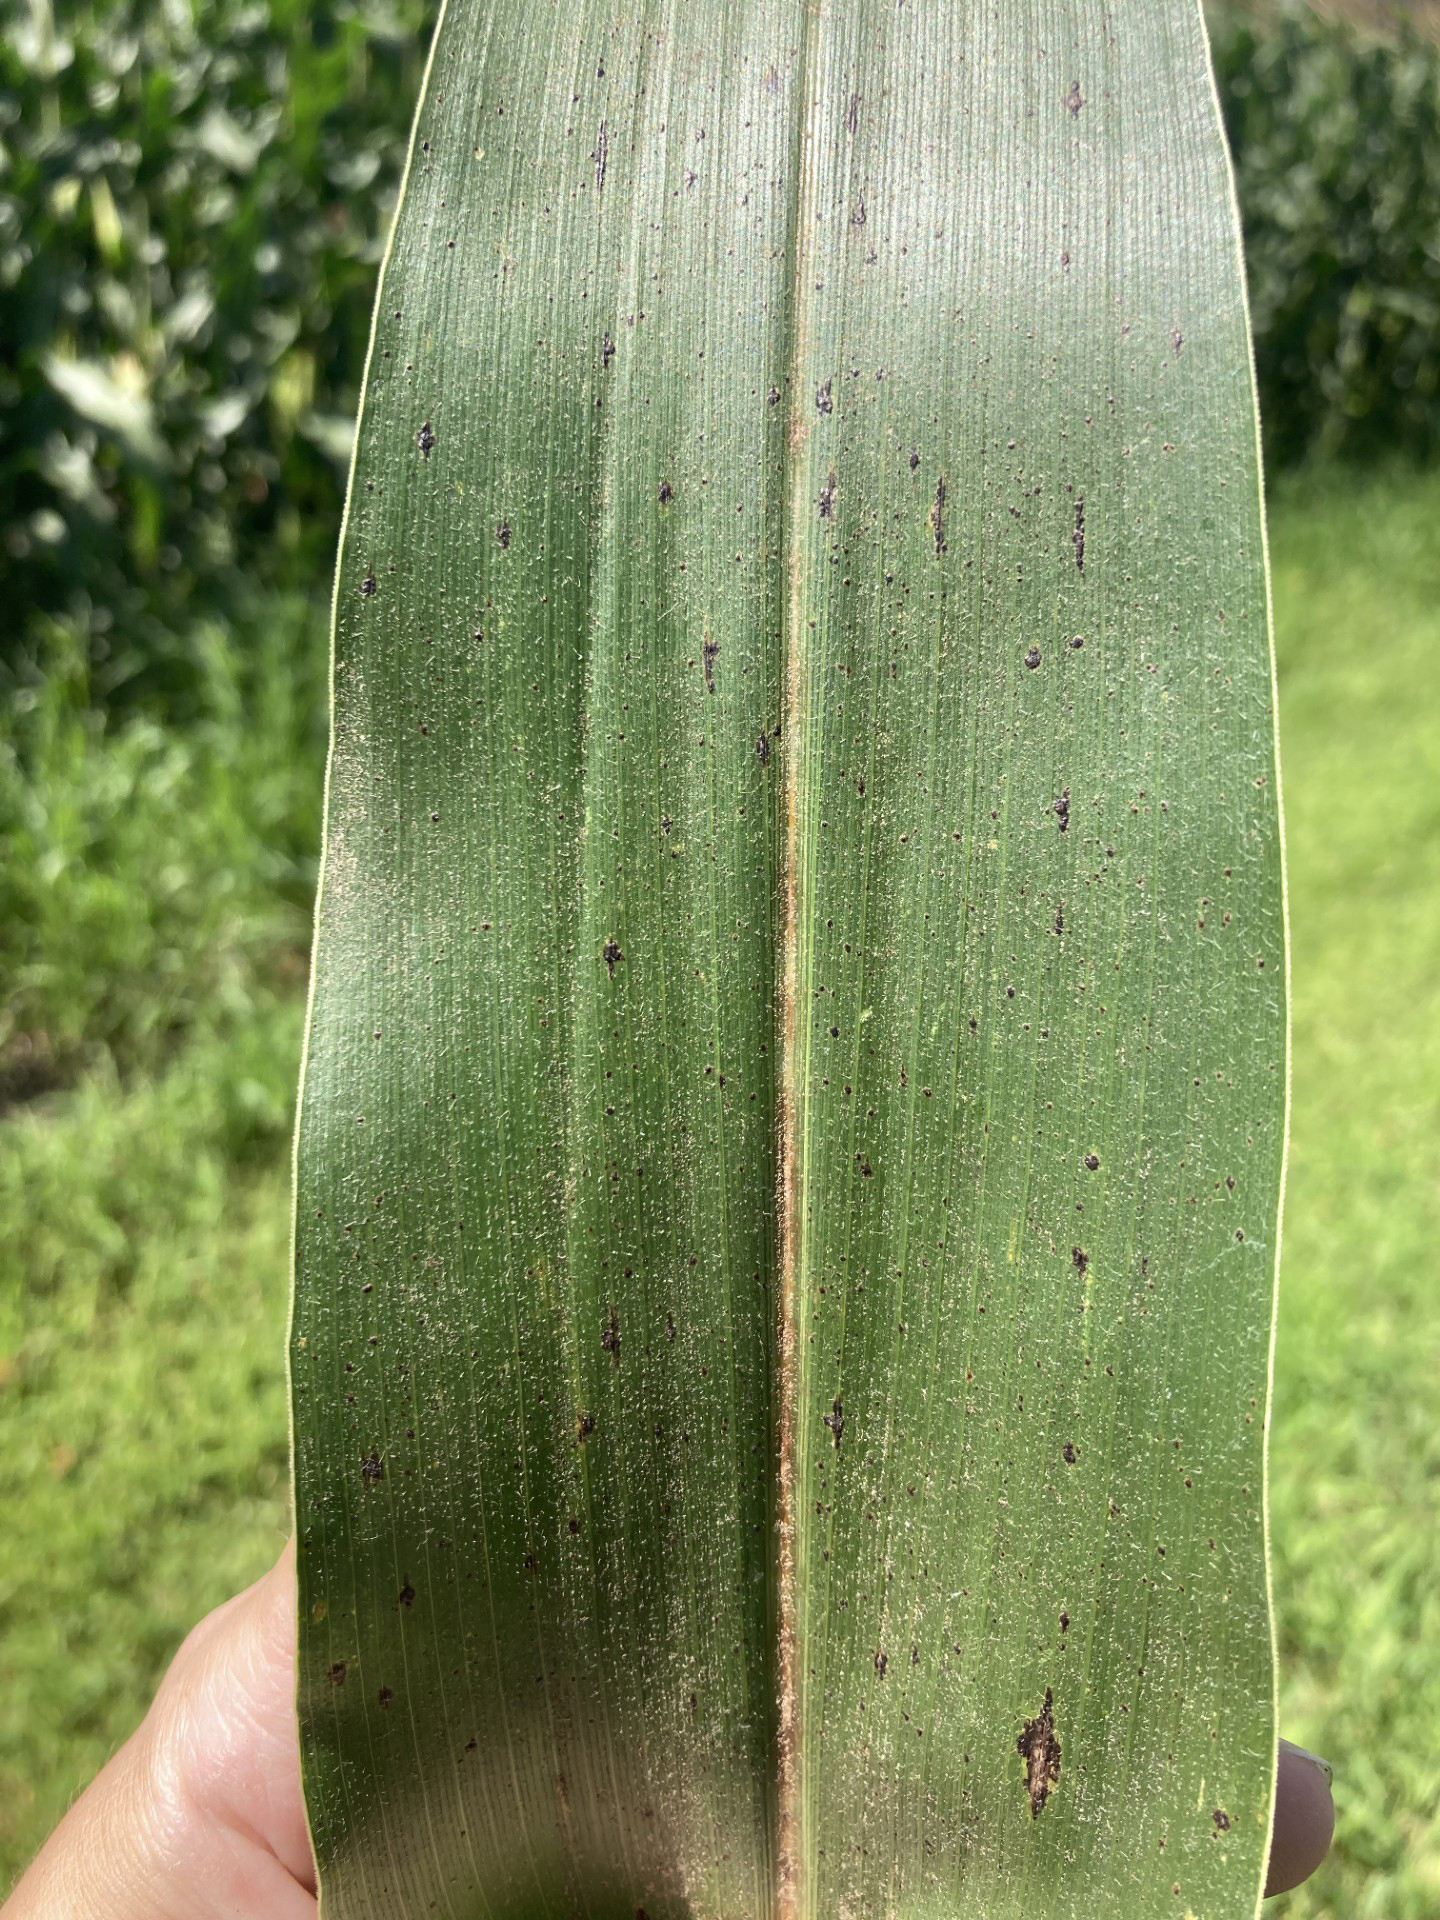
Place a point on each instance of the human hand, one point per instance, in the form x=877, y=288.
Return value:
x=199, y=1815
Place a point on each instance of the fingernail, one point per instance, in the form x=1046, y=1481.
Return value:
x=1322, y=1766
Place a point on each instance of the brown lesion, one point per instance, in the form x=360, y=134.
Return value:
x=1038, y=1747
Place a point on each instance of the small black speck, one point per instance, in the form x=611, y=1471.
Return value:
x=1081, y=1259
x=610, y=1337
x=607, y=351
x=1077, y=640
x=425, y=440
x=1221, y=1819
x=824, y=402
x=1092, y=1162
x=369, y=586
x=406, y=1596
x=337, y=1674
x=372, y=1466
x=881, y=1663
x=914, y=458
x=1062, y=810
x=773, y=397
x=827, y=496
x=502, y=534
x=1032, y=658
x=1068, y=1453
x=1074, y=100
x=664, y=493
x=385, y=1696
x=708, y=654
x=835, y=1420
x=610, y=953
x=584, y=1425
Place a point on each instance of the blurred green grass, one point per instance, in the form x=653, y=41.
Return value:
x=154, y=907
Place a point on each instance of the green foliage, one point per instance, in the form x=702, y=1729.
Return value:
x=151, y=875
x=1355, y=1451
x=1336, y=138
x=192, y=204
x=143, y=1262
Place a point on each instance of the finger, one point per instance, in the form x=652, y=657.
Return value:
x=1304, y=1818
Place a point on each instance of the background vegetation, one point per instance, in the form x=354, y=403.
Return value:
x=192, y=204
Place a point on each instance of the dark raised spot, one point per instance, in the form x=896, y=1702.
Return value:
x=1074, y=100
x=1062, y=810
x=824, y=403
x=369, y=586
x=1077, y=640
x=610, y=1337
x=425, y=440
x=372, y=1466
x=664, y=493
x=937, y=516
x=1060, y=917
x=584, y=1425
x=406, y=1596
x=385, y=1696
x=914, y=458
x=1177, y=340
x=607, y=351
x=1040, y=1750
x=882, y=1661
x=1064, y=1621
x=502, y=534
x=337, y=1674
x=1081, y=1259
x=835, y=1420
x=852, y=113
x=1068, y=1453
x=1077, y=537
x=762, y=749
x=827, y=496
x=1032, y=658
x=1092, y=1162
x=773, y=397
x=708, y=651
x=610, y=953
x=1221, y=1819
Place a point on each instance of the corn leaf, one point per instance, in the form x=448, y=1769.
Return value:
x=789, y=1160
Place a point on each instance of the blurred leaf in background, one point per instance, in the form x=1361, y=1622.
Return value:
x=193, y=202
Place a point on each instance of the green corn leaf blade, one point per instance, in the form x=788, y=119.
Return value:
x=788, y=1172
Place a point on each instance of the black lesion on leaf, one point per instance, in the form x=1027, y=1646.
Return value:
x=708, y=652
x=406, y=1596
x=1081, y=1259
x=937, y=516
x=1040, y=1750
x=502, y=534
x=824, y=401
x=1221, y=1819
x=1074, y=100
x=369, y=586
x=762, y=748
x=882, y=1661
x=835, y=1420
x=1032, y=658
x=584, y=1426
x=827, y=497
x=1068, y=1453
x=385, y=1696
x=1077, y=536
x=1062, y=810
x=425, y=440
x=610, y=953
x=372, y=1466
x=601, y=156
x=1092, y=1163
x=610, y=1337
x=607, y=351
x=337, y=1674
x=665, y=493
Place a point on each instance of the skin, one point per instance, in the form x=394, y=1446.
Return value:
x=199, y=1816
